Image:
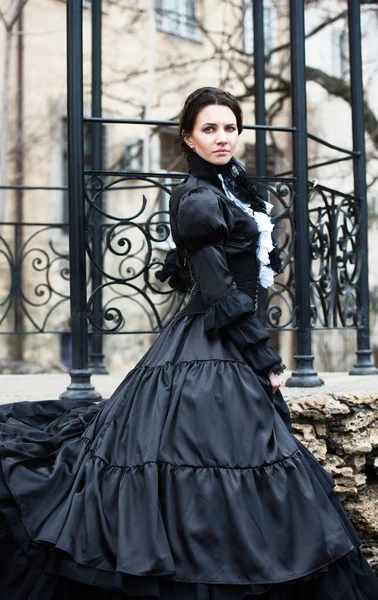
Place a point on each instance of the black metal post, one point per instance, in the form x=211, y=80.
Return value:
x=260, y=114
x=304, y=374
x=80, y=387
x=97, y=357
x=365, y=363
x=259, y=69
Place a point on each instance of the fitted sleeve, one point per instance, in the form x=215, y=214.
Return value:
x=203, y=224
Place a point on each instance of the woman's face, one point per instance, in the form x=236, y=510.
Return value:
x=214, y=135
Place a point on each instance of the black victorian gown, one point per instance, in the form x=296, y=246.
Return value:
x=187, y=482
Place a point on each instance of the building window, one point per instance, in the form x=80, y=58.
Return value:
x=270, y=26
x=178, y=17
x=132, y=159
x=340, y=53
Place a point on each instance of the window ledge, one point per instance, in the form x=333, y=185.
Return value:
x=187, y=37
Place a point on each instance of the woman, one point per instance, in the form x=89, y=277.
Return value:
x=187, y=483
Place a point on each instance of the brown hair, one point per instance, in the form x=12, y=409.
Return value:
x=197, y=100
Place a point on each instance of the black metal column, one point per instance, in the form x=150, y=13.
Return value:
x=80, y=387
x=304, y=374
x=259, y=69
x=260, y=114
x=97, y=357
x=364, y=364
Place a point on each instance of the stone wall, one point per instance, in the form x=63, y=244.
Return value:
x=341, y=431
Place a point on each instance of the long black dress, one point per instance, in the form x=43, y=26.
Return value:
x=187, y=482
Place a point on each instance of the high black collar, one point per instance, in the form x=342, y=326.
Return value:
x=203, y=169
x=234, y=176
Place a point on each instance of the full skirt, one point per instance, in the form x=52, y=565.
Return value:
x=186, y=483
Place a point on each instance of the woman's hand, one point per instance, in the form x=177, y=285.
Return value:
x=276, y=381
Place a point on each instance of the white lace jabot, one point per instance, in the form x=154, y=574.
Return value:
x=265, y=242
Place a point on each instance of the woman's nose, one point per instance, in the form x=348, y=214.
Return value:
x=221, y=138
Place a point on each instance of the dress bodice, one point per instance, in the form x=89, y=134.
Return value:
x=206, y=224
x=243, y=267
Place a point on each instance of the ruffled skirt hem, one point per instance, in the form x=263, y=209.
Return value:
x=348, y=578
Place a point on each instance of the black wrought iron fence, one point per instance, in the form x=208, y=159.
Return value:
x=336, y=264
x=134, y=239
x=322, y=232
x=34, y=279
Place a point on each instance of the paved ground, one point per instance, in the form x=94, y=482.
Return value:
x=14, y=388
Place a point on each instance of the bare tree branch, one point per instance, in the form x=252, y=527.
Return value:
x=340, y=89
x=10, y=16
x=313, y=32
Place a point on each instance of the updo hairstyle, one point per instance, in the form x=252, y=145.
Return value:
x=198, y=100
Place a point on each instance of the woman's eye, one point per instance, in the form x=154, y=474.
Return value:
x=211, y=129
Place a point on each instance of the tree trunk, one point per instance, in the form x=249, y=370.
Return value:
x=4, y=122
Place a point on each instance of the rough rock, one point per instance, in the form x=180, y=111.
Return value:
x=348, y=442
x=307, y=435
x=363, y=512
x=321, y=430
x=355, y=422
x=348, y=482
x=333, y=463
x=317, y=407
x=358, y=400
x=370, y=550
x=358, y=462
x=342, y=432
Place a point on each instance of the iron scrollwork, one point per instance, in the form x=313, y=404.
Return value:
x=37, y=303
x=132, y=250
x=280, y=301
x=335, y=262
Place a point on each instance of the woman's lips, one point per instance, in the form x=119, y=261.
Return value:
x=221, y=151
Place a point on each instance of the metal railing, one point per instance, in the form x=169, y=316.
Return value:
x=323, y=233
